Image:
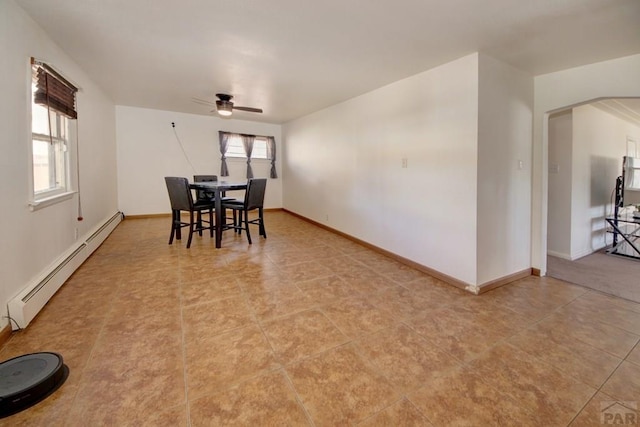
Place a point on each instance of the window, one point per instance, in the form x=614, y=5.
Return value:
x=257, y=147
x=50, y=152
x=52, y=107
x=236, y=149
x=632, y=147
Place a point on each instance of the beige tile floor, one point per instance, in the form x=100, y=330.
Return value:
x=308, y=328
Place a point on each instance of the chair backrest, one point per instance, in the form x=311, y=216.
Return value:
x=204, y=194
x=179, y=193
x=205, y=178
x=254, y=197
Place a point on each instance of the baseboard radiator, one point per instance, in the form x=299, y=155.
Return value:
x=24, y=307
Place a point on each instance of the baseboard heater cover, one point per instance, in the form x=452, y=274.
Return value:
x=24, y=307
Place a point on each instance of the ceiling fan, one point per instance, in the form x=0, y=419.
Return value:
x=224, y=105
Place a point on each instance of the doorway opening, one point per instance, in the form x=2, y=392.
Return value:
x=586, y=147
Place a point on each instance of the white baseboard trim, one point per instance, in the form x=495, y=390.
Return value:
x=559, y=255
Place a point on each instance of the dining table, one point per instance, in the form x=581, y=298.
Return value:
x=218, y=188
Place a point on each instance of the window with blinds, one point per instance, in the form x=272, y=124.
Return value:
x=53, y=105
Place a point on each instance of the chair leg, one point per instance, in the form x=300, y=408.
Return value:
x=263, y=232
x=235, y=221
x=246, y=224
x=199, y=223
x=211, y=224
x=178, y=225
x=173, y=226
x=191, y=226
x=223, y=217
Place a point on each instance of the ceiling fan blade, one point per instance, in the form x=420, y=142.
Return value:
x=203, y=102
x=249, y=109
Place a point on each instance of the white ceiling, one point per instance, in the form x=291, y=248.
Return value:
x=627, y=109
x=294, y=57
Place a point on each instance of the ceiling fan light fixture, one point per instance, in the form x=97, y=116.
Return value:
x=225, y=108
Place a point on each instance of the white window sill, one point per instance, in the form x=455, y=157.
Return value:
x=35, y=205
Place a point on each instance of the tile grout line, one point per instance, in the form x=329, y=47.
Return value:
x=298, y=397
x=184, y=346
x=93, y=349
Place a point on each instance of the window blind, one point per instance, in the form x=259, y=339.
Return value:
x=54, y=91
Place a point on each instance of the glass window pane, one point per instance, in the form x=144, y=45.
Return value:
x=259, y=149
x=63, y=127
x=49, y=146
x=41, y=170
x=236, y=149
x=39, y=121
x=49, y=166
x=60, y=173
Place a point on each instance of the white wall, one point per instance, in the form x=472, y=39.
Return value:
x=504, y=170
x=560, y=182
x=34, y=240
x=462, y=206
x=343, y=167
x=148, y=150
x=555, y=91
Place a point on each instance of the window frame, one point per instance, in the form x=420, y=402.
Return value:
x=61, y=156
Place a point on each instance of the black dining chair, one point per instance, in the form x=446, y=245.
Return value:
x=253, y=199
x=208, y=196
x=182, y=200
x=202, y=195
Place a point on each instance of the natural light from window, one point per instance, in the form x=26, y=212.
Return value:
x=235, y=149
x=50, y=158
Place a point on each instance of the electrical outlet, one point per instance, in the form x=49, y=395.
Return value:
x=75, y=234
x=404, y=162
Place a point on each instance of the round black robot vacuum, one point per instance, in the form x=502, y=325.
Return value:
x=28, y=379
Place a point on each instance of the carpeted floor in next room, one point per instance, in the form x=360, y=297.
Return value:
x=309, y=328
x=612, y=274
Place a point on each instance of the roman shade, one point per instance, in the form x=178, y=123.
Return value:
x=54, y=91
